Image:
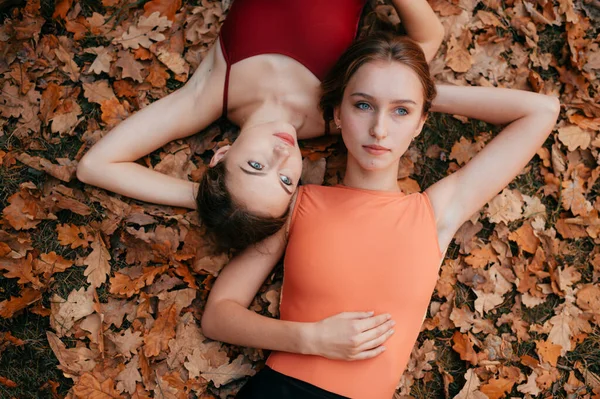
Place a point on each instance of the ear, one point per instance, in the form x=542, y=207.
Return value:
x=219, y=156
x=337, y=119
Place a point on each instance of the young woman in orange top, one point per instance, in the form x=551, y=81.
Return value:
x=263, y=74
x=364, y=245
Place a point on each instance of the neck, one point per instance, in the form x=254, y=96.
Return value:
x=271, y=111
x=377, y=180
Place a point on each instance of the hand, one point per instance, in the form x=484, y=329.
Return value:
x=350, y=335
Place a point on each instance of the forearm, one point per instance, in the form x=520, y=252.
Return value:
x=421, y=24
x=230, y=322
x=139, y=182
x=490, y=104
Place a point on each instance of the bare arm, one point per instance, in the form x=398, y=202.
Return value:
x=530, y=118
x=348, y=336
x=110, y=163
x=421, y=24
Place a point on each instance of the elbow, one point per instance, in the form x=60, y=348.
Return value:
x=207, y=323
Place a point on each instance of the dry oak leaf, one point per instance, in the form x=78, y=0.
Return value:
x=127, y=379
x=98, y=91
x=50, y=100
x=548, y=351
x=24, y=211
x=147, y=30
x=574, y=137
x=113, y=112
x=505, y=207
x=445, y=7
x=573, y=198
x=88, y=387
x=75, y=236
x=127, y=343
x=97, y=262
x=64, y=171
x=471, y=388
x=163, y=329
x=464, y=347
x=481, y=257
x=157, y=74
x=487, y=301
x=530, y=386
x=463, y=150
x=588, y=299
x=22, y=269
x=61, y=9
x=51, y=263
x=65, y=313
x=229, y=372
x=66, y=117
x=458, y=57
x=497, y=388
x=8, y=382
x=73, y=361
x=166, y=8
x=70, y=67
x=9, y=307
x=560, y=333
x=103, y=60
x=129, y=66
x=115, y=310
x=525, y=238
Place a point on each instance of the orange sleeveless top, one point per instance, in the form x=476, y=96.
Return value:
x=353, y=250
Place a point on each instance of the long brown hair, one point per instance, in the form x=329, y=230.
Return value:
x=383, y=46
x=228, y=222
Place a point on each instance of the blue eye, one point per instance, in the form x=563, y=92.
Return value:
x=286, y=180
x=255, y=165
x=363, y=106
x=401, y=111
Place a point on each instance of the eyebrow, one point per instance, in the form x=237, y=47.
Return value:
x=399, y=101
x=257, y=173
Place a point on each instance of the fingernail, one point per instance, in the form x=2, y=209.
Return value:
x=393, y=322
x=388, y=316
x=371, y=313
x=391, y=332
x=383, y=348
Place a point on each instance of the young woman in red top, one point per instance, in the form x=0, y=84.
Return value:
x=263, y=73
x=364, y=245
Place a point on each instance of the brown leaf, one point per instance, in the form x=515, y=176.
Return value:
x=97, y=262
x=88, y=387
x=9, y=307
x=464, y=347
x=505, y=207
x=548, y=351
x=65, y=313
x=129, y=377
x=75, y=236
x=471, y=388
x=129, y=66
x=458, y=57
x=8, y=382
x=163, y=329
x=21, y=269
x=525, y=238
x=147, y=30
x=166, y=8
x=229, y=372
x=61, y=9
x=574, y=137
x=113, y=112
x=98, y=91
x=497, y=388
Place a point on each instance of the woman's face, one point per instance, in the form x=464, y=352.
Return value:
x=380, y=113
x=263, y=167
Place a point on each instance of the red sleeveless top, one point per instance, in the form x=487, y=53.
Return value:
x=353, y=250
x=313, y=32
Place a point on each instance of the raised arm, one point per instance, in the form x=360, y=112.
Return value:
x=530, y=118
x=421, y=25
x=110, y=163
x=347, y=336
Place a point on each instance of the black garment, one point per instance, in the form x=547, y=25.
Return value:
x=270, y=384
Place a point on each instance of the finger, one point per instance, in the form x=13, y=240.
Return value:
x=372, y=322
x=355, y=315
x=369, y=354
x=374, y=333
x=375, y=342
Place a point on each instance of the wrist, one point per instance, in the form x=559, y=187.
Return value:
x=307, y=339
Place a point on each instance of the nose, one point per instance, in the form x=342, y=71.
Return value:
x=378, y=129
x=280, y=154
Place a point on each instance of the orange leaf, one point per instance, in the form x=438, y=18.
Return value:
x=163, y=329
x=61, y=9
x=11, y=306
x=75, y=236
x=8, y=383
x=113, y=112
x=97, y=262
x=525, y=238
x=90, y=388
x=464, y=346
x=497, y=388
x=167, y=8
x=548, y=351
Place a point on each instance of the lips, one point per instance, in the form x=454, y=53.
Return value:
x=286, y=138
x=376, y=149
